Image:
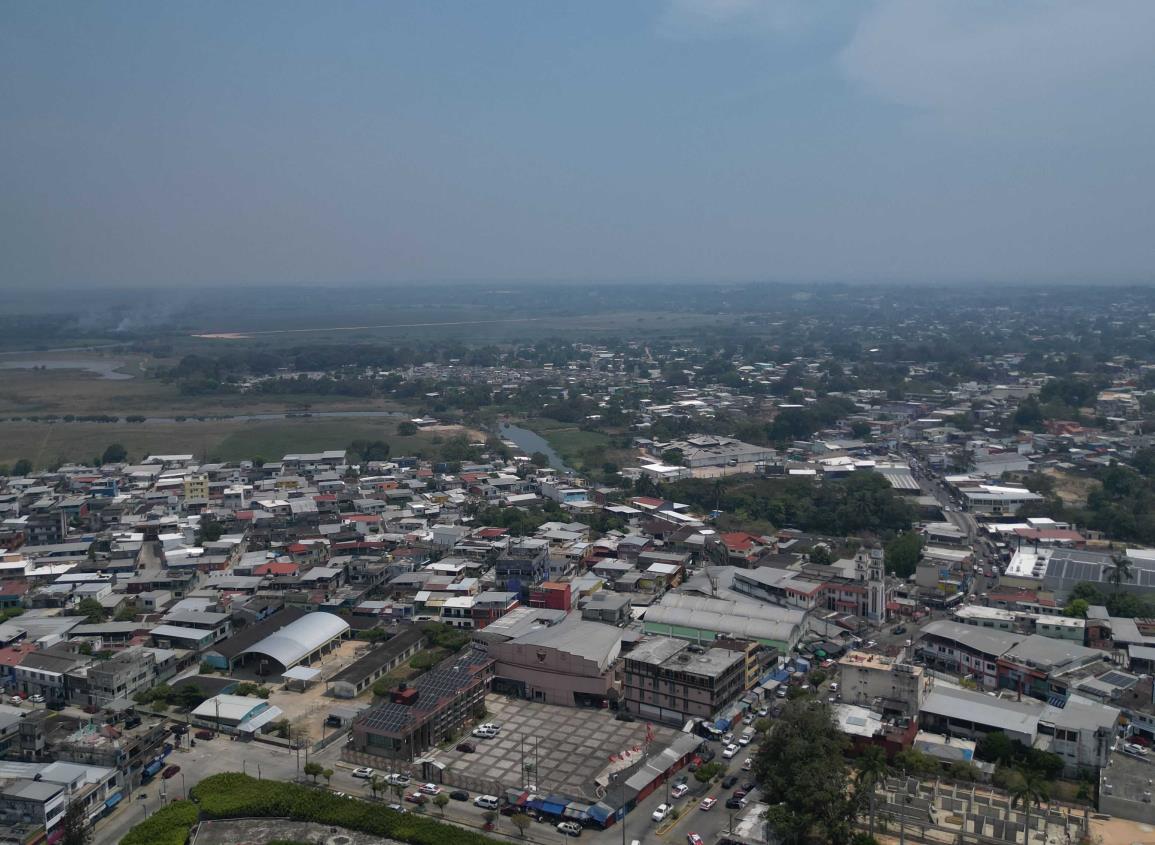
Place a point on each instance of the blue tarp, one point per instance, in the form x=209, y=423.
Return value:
x=551, y=806
x=113, y=800
x=781, y=675
x=600, y=813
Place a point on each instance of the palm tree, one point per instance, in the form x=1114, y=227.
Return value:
x=376, y=784
x=871, y=771
x=1028, y=789
x=1120, y=570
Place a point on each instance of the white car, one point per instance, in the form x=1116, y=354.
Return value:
x=747, y=764
x=1134, y=748
x=569, y=828
x=430, y=789
x=730, y=751
x=661, y=812
x=484, y=732
x=745, y=738
x=36, y=699
x=679, y=790
x=491, y=726
x=396, y=779
x=727, y=739
x=363, y=772
x=834, y=687
x=487, y=802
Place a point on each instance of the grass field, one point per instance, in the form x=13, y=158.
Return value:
x=226, y=440
x=585, y=450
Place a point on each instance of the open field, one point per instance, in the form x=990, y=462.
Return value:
x=580, y=449
x=1072, y=489
x=228, y=440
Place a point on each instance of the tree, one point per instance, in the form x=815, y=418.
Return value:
x=327, y=774
x=92, y=609
x=314, y=770
x=521, y=822
x=406, y=428
x=22, y=467
x=440, y=800
x=74, y=826
x=763, y=726
x=803, y=776
x=902, y=554
x=490, y=817
x=673, y=457
x=190, y=696
x=1120, y=570
x=708, y=771
x=539, y=459
x=821, y=555
x=114, y=454
x=995, y=747
x=376, y=784
x=1077, y=608
x=871, y=768
x=126, y=614
x=1028, y=789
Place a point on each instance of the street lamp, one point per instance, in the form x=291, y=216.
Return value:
x=183, y=785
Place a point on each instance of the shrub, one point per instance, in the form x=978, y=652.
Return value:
x=169, y=825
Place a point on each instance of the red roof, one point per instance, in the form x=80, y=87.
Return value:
x=276, y=568
x=492, y=533
x=244, y=515
x=13, y=588
x=647, y=501
x=325, y=497
x=740, y=540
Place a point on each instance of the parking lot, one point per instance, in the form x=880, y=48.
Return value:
x=569, y=746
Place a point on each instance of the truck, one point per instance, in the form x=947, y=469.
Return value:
x=151, y=769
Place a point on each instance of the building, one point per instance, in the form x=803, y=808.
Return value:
x=37, y=795
x=669, y=680
x=359, y=676
x=965, y=650
x=996, y=500
x=419, y=717
x=242, y=714
x=701, y=620
x=570, y=663
x=883, y=684
x=707, y=450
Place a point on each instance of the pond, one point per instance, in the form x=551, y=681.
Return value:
x=530, y=442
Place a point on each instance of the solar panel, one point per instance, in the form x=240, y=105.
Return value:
x=1118, y=679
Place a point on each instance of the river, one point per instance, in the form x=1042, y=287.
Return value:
x=530, y=442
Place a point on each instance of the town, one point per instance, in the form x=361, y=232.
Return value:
x=607, y=591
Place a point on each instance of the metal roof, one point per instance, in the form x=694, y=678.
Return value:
x=300, y=638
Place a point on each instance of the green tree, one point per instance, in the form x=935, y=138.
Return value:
x=872, y=769
x=902, y=554
x=327, y=774
x=1077, y=608
x=539, y=459
x=314, y=770
x=440, y=800
x=377, y=784
x=92, y=610
x=126, y=614
x=1030, y=790
x=996, y=747
x=1120, y=570
x=763, y=726
x=22, y=467
x=708, y=771
x=490, y=817
x=803, y=776
x=406, y=428
x=521, y=822
x=74, y=826
x=114, y=454
x=821, y=555
x=673, y=457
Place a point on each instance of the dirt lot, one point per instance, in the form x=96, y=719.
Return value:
x=262, y=831
x=1072, y=489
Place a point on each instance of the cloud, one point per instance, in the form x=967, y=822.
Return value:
x=980, y=65
x=693, y=19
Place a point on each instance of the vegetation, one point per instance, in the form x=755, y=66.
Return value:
x=903, y=553
x=170, y=825
x=187, y=696
x=92, y=610
x=803, y=776
x=74, y=827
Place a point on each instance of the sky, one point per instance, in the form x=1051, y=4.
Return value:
x=233, y=143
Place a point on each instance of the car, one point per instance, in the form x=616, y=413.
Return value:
x=729, y=781
x=708, y=804
x=763, y=712
x=484, y=733
x=15, y=699
x=363, y=772
x=430, y=789
x=459, y=795
x=397, y=779
x=36, y=699
x=491, y=726
x=899, y=629
x=487, y=802
x=834, y=687
x=694, y=839
x=416, y=798
x=171, y=771
x=735, y=803
x=660, y=813
x=746, y=738
x=1134, y=748
x=396, y=808
x=569, y=828
x=466, y=747
x=179, y=730
x=870, y=644
x=780, y=692
x=204, y=735
x=826, y=664
x=679, y=790
x=727, y=738
x=730, y=751
x=747, y=764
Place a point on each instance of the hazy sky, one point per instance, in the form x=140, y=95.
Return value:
x=341, y=142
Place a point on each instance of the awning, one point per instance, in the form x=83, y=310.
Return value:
x=113, y=799
x=301, y=673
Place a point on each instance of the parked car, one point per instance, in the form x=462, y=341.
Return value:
x=569, y=828
x=899, y=629
x=397, y=779
x=430, y=789
x=491, y=726
x=487, y=802
x=1134, y=748
x=730, y=751
x=727, y=738
x=735, y=803
x=36, y=699
x=729, y=781
x=679, y=790
x=660, y=813
x=459, y=795
x=708, y=804
x=416, y=798
x=171, y=771
x=694, y=839
x=747, y=764
x=466, y=747
x=363, y=772
x=746, y=738
x=204, y=734
x=484, y=733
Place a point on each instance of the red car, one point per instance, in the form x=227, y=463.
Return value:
x=171, y=771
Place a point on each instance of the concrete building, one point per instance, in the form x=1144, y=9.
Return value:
x=965, y=650
x=670, y=680
x=883, y=684
x=570, y=663
x=360, y=675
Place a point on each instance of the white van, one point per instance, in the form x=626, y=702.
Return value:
x=486, y=802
